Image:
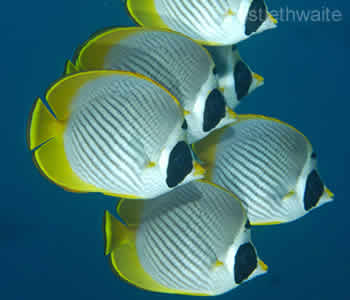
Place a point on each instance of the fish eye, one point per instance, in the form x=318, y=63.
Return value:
x=313, y=155
x=256, y=16
x=184, y=125
x=215, y=110
x=243, y=79
x=179, y=165
x=246, y=262
x=314, y=189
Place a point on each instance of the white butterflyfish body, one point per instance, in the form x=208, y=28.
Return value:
x=210, y=22
x=174, y=61
x=193, y=240
x=267, y=164
x=115, y=132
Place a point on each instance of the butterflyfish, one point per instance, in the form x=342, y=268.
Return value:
x=113, y=132
x=192, y=240
x=269, y=165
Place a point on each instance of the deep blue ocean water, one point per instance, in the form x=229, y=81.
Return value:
x=51, y=242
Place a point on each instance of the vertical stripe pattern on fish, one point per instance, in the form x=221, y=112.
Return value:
x=265, y=163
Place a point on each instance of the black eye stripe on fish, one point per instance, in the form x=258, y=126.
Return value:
x=215, y=110
x=256, y=16
x=179, y=165
x=243, y=79
x=313, y=190
x=245, y=262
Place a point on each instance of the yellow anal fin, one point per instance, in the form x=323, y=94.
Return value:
x=70, y=68
x=124, y=261
x=51, y=161
x=63, y=92
x=42, y=126
x=131, y=211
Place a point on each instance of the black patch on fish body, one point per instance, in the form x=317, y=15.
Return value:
x=247, y=225
x=245, y=262
x=179, y=165
x=243, y=79
x=214, y=111
x=256, y=16
x=314, y=189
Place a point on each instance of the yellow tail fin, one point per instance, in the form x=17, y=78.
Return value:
x=45, y=132
x=91, y=55
x=120, y=244
x=115, y=233
x=42, y=126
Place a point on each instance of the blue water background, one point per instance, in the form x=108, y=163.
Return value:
x=51, y=243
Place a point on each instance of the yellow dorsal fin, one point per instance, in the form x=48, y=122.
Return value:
x=62, y=93
x=46, y=131
x=69, y=68
x=246, y=117
x=92, y=54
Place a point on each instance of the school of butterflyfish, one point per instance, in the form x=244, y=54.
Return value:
x=146, y=114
